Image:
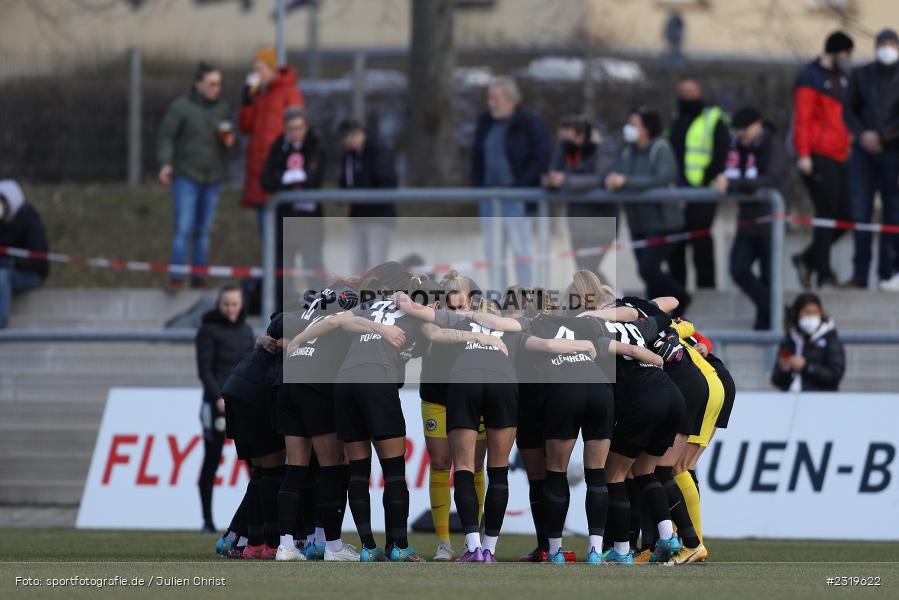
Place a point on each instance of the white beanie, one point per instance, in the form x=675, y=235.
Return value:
x=11, y=190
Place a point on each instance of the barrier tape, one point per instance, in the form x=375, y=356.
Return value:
x=242, y=272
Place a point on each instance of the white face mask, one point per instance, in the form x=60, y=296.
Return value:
x=631, y=133
x=887, y=55
x=810, y=324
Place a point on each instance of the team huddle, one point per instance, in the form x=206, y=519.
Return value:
x=531, y=368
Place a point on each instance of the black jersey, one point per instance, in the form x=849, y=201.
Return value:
x=316, y=362
x=435, y=371
x=573, y=367
x=642, y=332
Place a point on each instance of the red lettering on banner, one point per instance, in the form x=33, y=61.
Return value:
x=423, y=469
x=114, y=457
x=142, y=477
x=179, y=457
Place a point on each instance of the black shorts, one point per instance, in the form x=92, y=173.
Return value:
x=367, y=405
x=648, y=409
x=530, y=417
x=251, y=426
x=570, y=408
x=304, y=411
x=730, y=391
x=694, y=387
x=288, y=417
x=482, y=394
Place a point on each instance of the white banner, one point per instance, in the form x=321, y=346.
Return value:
x=787, y=467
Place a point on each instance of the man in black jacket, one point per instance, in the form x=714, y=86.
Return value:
x=367, y=164
x=20, y=227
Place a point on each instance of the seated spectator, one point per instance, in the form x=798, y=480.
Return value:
x=20, y=227
x=367, y=164
x=647, y=162
x=757, y=159
x=575, y=167
x=811, y=356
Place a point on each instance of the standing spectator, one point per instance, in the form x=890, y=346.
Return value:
x=268, y=91
x=576, y=167
x=811, y=356
x=367, y=164
x=821, y=141
x=511, y=149
x=648, y=162
x=20, y=227
x=757, y=159
x=296, y=161
x=223, y=339
x=701, y=140
x=871, y=112
x=194, y=137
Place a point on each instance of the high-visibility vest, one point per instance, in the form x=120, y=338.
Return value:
x=699, y=145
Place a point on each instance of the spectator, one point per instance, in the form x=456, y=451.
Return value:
x=367, y=164
x=296, y=161
x=811, y=356
x=223, y=339
x=646, y=162
x=821, y=142
x=757, y=159
x=511, y=149
x=20, y=227
x=194, y=136
x=268, y=91
x=871, y=113
x=701, y=140
x=575, y=167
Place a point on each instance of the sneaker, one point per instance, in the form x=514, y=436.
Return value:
x=665, y=550
x=405, y=555
x=444, y=552
x=593, y=557
x=346, y=554
x=289, y=553
x=223, y=546
x=556, y=558
x=372, y=555
x=488, y=556
x=802, y=271
x=612, y=557
x=260, y=552
x=537, y=555
x=891, y=284
x=643, y=556
x=314, y=551
x=691, y=555
x=472, y=556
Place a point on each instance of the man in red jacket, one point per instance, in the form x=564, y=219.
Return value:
x=821, y=141
x=268, y=91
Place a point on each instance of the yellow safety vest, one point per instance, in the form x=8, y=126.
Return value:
x=699, y=145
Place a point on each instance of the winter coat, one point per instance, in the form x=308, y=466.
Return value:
x=372, y=168
x=309, y=158
x=818, y=126
x=527, y=148
x=825, y=360
x=583, y=173
x=872, y=101
x=677, y=135
x=188, y=138
x=763, y=164
x=220, y=344
x=262, y=118
x=651, y=167
x=26, y=230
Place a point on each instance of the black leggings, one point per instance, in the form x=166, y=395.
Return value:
x=212, y=454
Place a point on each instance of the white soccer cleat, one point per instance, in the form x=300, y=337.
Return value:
x=346, y=554
x=444, y=552
x=289, y=553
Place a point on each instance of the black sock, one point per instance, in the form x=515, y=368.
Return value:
x=466, y=498
x=597, y=502
x=330, y=488
x=238, y=517
x=308, y=502
x=497, y=499
x=650, y=531
x=677, y=506
x=344, y=484
x=289, y=499
x=692, y=473
x=360, y=500
x=270, y=485
x=633, y=496
x=653, y=498
x=555, y=503
x=396, y=501
x=619, y=512
x=255, y=521
x=535, y=492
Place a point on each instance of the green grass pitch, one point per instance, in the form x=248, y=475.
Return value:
x=737, y=569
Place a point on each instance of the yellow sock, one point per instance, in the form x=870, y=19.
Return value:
x=438, y=485
x=481, y=488
x=691, y=497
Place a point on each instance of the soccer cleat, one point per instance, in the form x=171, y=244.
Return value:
x=593, y=557
x=691, y=555
x=570, y=556
x=488, y=556
x=223, y=545
x=535, y=556
x=470, y=556
x=556, y=558
x=346, y=554
x=398, y=554
x=643, y=556
x=236, y=552
x=372, y=555
x=444, y=552
x=612, y=557
x=314, y=551
x=260, y=552
x=665, y=550
x=289, y=553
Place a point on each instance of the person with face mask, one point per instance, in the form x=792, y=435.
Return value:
x=701, y=140
x=811, y=356
x=871, y=113
x=20, y=227
x=821, y=143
